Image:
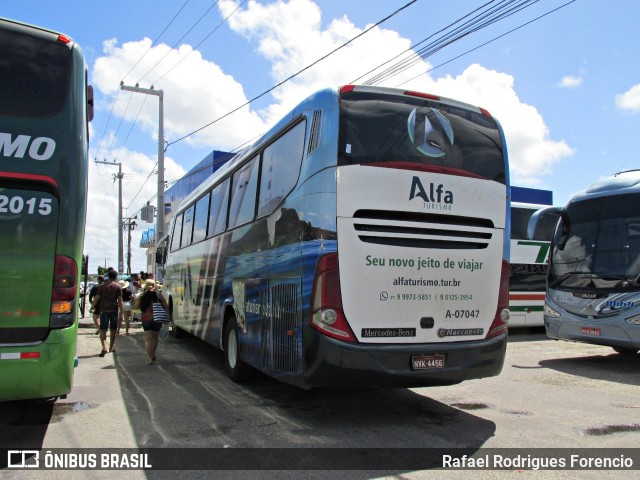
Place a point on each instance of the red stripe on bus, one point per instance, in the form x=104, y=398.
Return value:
x=29, y=176
x=526, y=296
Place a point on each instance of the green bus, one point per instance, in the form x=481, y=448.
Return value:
x=45, y=106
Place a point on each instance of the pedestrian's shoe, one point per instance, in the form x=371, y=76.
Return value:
x=102, y=353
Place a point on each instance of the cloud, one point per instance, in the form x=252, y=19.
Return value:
x=570, y=81
x=629, y=100
x=532, y=153
x=290, y=35
x=101, y=242
x=196, y=92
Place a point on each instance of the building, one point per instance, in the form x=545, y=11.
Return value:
x=175, y=194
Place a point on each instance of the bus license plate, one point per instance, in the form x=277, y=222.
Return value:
x=594, y=332
x=423, y=362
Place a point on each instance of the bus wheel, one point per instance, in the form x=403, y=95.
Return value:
x=237, y=370
x=625, y=351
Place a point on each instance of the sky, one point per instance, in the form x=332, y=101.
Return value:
x=561, y=76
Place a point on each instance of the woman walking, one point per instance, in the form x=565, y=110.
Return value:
x=144, y=303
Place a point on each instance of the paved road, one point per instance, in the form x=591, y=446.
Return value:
x=549, y=395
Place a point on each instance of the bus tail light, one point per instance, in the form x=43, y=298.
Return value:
x=63, y=293
x=327, y=316
x=428, y=96
x=501, y=319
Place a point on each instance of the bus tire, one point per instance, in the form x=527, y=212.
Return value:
x=237, y=370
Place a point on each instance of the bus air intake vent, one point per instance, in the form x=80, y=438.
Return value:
x=314, y=135
x=422, y=230
x=285, y=327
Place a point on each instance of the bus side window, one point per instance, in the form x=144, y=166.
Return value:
x=280, y=168
x=218, y=208
x=200, y=221
x=243, y=193
x=176, y=235
x=187, y=227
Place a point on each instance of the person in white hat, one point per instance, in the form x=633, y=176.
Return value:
x=144, y=303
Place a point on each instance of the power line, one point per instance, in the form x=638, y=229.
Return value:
x=411, y=48
x=201, y=42
x=113, y=104
x=488, y=42
x=130, y=129
x=156, y=39
x=292, y=76
x=177, y=63
x=178, y=42
x=107, y=124
x=482, y=20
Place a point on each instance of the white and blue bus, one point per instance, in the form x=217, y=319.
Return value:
x=528, y=260
x=361, y=241
x=593, y=282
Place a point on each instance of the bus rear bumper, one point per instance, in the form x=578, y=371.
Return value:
x=331, y=362
x=45, y=372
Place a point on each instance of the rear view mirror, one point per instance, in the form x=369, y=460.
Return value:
x=89, y=103
x=538, y=216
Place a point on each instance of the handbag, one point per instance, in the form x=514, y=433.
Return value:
x=160, y=315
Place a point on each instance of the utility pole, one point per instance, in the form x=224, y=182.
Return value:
x=160, y=205
x=129, y=224
x=118, y=176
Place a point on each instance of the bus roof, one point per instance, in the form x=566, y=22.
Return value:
x=17, y=25
x=620, y=183
x=243, y=155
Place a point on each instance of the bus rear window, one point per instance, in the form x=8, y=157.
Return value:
x=34, y=75
x=378, y=128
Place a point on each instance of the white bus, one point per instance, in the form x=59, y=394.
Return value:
x=528, y=261
x=593, y=283
x=361, y=241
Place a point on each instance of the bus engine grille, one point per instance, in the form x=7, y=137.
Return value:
x=285, y=327
x=422, y=230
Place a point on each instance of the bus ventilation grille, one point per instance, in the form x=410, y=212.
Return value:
x=314, y=135
x=422, y=230
x=285, y=327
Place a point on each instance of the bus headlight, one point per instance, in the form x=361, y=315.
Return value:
x=635, y=320
x=505, y=315
x=550, y=312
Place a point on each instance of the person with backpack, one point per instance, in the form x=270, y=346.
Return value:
x=95, y=311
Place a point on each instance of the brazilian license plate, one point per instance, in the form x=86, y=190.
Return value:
x=594, y=332
x=425, y=362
